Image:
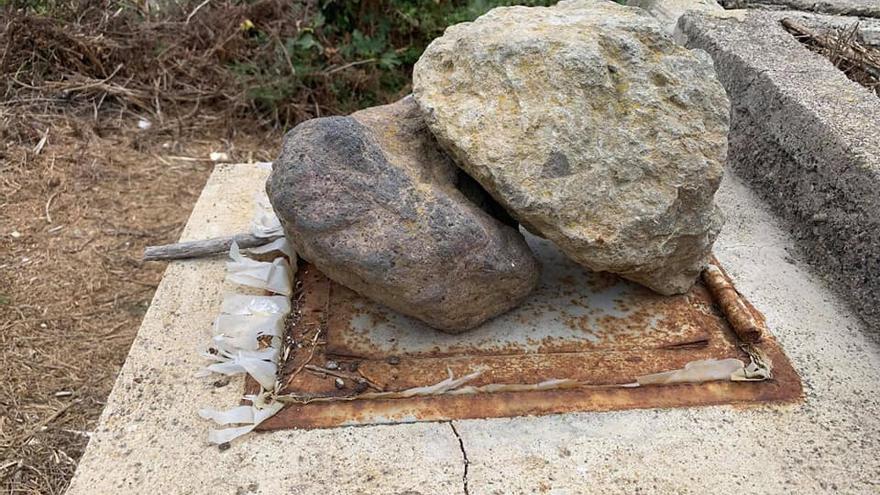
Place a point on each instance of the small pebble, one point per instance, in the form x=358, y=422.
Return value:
x=332, y=365
x=394, y=360
x=339, y=383
x=224, y=446
x=354, y=365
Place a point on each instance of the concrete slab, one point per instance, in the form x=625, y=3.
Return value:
x=843, y=14
x=860, y=8
x=150, y=439
x=806, y=138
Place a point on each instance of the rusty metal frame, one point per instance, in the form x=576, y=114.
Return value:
x=317, y=333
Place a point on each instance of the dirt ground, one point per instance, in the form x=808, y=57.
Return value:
x=75, y=214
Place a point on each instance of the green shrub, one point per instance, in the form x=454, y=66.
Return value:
x=349, y=54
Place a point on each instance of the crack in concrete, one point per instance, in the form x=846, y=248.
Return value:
x=464, y=456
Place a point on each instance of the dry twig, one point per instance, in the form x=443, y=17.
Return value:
x=860, y=63
x=345, y=376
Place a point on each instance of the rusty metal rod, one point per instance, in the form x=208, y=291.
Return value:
x=732, y=305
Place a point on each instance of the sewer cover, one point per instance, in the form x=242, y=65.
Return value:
x=593, y=328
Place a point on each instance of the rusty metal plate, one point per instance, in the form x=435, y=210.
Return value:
x=590, y=327
x=572, y=310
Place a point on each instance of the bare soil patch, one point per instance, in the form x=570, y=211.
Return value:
x=74, y=219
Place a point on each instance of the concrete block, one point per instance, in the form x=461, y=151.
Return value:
x=860, y=8
x=808, y=139
x=150, y=440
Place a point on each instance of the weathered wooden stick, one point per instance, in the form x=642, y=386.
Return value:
x=207, y=247
x=740, y=317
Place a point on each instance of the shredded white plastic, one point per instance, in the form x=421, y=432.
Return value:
x=553, y=384
x=281, y=245
x=261, y=370
x=242, y=304
x=236, y=415
x=224, y=353
x=227, y=435
x=221, y=352
x=760, y=366
x=693, y=372
x=218, y=156
x=265, y=222
x=446, y=385
x=239, y=343
x=265, y=324
x=244, y=341
x=250, y=416
x=705, y=370
x=274, y=277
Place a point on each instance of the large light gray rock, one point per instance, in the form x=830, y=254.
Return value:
x=372, y=202
x=591, y=127
x=668, y=11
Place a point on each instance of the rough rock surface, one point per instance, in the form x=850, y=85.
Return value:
x=372, y=202
x=668, y=11
x=591, y=127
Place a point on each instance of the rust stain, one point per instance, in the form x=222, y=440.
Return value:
x=673, y=317
x=691, y=327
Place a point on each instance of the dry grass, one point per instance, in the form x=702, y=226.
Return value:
x=106, y=52
x=74, y=219
x=842, y=46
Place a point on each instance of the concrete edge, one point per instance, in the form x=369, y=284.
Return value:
x=860, y=8
x=806, y=138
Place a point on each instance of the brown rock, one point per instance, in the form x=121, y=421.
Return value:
x=372, y=202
